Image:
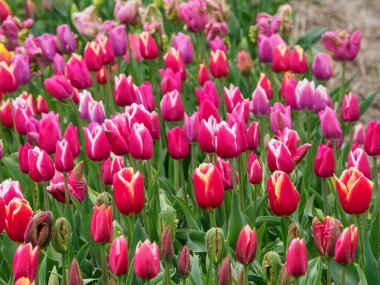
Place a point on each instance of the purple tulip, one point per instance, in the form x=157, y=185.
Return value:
x=66, y=38
x=183, y=43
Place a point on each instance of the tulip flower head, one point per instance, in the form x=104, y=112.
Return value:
x=118, y=256
x=331, y=128
x=344, y=47
x=25, y=262
x=358, y=158
x=322, y=67
x=218, y=64
x=325, y=235
x=246, y=245
x=146, y=261
x=345, y=246
x=101, y=224
x=296, y=258
x=324, y=161
x=184, y=265
x=350, y=111
x=372, y=139
x=178, y=146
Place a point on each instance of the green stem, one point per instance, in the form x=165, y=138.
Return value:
x=102, y=186
x=183, y=281
x=35, y=196
x=216, y=273
x=254, y=204
x=145, y=218
x=167, y=273
x=46, y=199
x=176, y=176
x=343, y=276
x=241, y=190
x=285, y=233
x=104, y=266
x=193, y=156
x=360, y=228
x=183, y=182
x=245, y=275
x=328, y=271
x=212, y=219
x=64, y=273
x=341, y=91
x=131, y=225
x=67, y=196
x=325, y=202
x=36, y=281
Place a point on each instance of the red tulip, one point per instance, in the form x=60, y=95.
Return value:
x=25, y=262
x=118, y=256
x=354, y=191
x=345, y=246
x=288, y=89
x=209, y=91
x=253, y=135
x=129, y=191
x=18, y=212
x=246, y=245
x=228, y=142
x=207, y=130
x=147, y=260
x=148, y=46
x=281, y=58
x=178, y=146
x=6, y=113
x=117, y=133
x=173, y=60
x=265, y=83
x=77, y=73
x=255, y=172
x=191, y=127
x=203, y=74
x=372, y=139
x=23, y=157
x=140, y=142
x=282, y=195
x=298, y=62
x=184, y=262
x=97, y=146
x=71, y=136
x=110, y=166
x=105, y=44
x=124, y=91
x=93, y=55
x=102, y=224
x=218, y=64
x=244, y=62
x=63, y=159
x=208, y=186
x=208, y=109
x=59, y=87
x=41, y=105
x=296, y=258
x=324, y=161
x=358, y=158
x=8, y=82
x=41, y=167
x=350, y=111
x=325, y=235
x=171, y=106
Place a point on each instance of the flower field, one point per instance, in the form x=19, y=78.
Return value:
x=183, y=142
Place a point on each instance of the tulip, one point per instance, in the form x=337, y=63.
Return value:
x=21, y=69
x=118, y=40
x=357, y=158
x=167, y=249
x=217, y=43
x=173, y=60
x=265, y=83
x=41, y=105
x=101, y=224
x=127, y=12
x=77, y=73
x=23, y=281
x=25, y=262
x=18, y=213
x=110, y=167
x=94, y=56
x=331, y=128
x=372, y=139
x=280, y=117
x=171, y=106
x=61, y=235
x=117, y=133
x=244, y=62
x=23, y=157
x=281, y=58
x=49, y=132
x=344, y=46
x=124, y=92
x=147, y=260
x=59, y=64
x=208, y=92
x=304, y=95
x=228, y=142
x=178, y=146
x=324, y=161
x=253, y=135
x=148, y=46
x=145, y=96
x=354, y=191
x=203, y=75
x=41, y=167
x=97, y=146
x=215, y=244
x=64, y=160
x=260, y=103
x=240, y=113
x=101, y=75
x=255, y=173
x=8, y=82
x=6, y=113
x=224, y=167
x=345, y=246
x=208, y=109
x=5, y=11
x=118, y=256
x=208, y=186
x=246, y=245
x=266, y=46
x=66, y=38
x=59, y=87
x=48, y=45
x=279, y=156
x=321, y=99
x=268, y=24
x=296, y=258
x=288, y=89
x=218, y=64
x=298, y=62
x=350, y=111
x=105, y=45
x=325, y=235
x=225, y=272
x=271, y=267
x=184, y=45
x=170, y=81
x=9, y=190
x=207, y=130
x=358, y=136
x=71, y=136
x=232, y=96
x=191, y=127
x=140, y=142
x=38, y=231
x=75, y=276
x=129, y=191
x=194, y=14
x=322, y=67
x=184, y=265
x=282, y=195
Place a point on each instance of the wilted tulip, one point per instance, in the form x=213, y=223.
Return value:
x=140, y=142
x=282, y=195
x=41, y=167
x=118, y=257
x=75, y=276
x=203, y=74
x=280, y=117
x=25, y=262
x=218, y=64
x=124, y=92
x=127, y=12
x=331, y=128
x=147, y=260
x=97, y=146
x=296, y=258
x=324, y=161
x=148, y=46
x=350, y=111
x=208, y=186
x=38, y=231
x=271, y=267
x=244, y=62
x=255, y=173
x=184, y=265
x=110, y=167
x=86, y=21
x=372, y=139
x=358, y=158
x=322, y=66
x=344, y=46
x=281, y=58
x=325, y=235
x=184, y=45
x=171, y=106
x=345, y=246
x=194, y=14
x=77, y=73
x=215, y=244
x=66, y=38
x=354, y=191
x=246, y=245
x=298, y=62
x=101, y=224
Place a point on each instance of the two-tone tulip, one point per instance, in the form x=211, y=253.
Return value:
x=232, y=96
x=117, y=133
x=208, y=109
x=279, y=156
x=146, y=261
x=110, y=167
x=140, y=142
x=358, y=135
x=288, y=89
x=281, y=58
x=63, y=159
x=10, y=189
x=18, y=212
x=296, y=258
x=325, y=235
x=350, y=111
x=372, y=139
x=207, y=130
x=118, y=256
x=148, y=46
x=265, y=83
x=209, y=92
x=6, y=113
x=124, y=91
x=8, y=82
x=171, y=106
x=97, y=146
x=228, y=140
x=324, y=161
x=41, y=167
x=173, y=60
x=25, y=262
x=203, y=74
x=358, y=158
x=346, y=245
x=184, y=45
x=246, y=245
x=298, y=62
x=101, y=224
x=145, y=96
x=280, y=117
x=93, y=55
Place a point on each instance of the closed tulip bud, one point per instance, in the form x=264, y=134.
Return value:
x=129, y=191
x=224, y=167
x=265, y=83
x=253, y=135
x=8, y=82
x=271, y=267
x=148, y=46
x=118, y=40
x=298, y=62
x=41, y=105
x=208, y=186
x=101, y=224
x=75, y=275
x=167, y=249
x=61, y=235
x=203, y=75
x=23, y=281
x=147, y=260
x=63, y=159
x=232, y=96
x=97, y=146
x=117, y=133
x=218, y=64
x=59, y=64
x=304, y=95
x=372, y=139
x=331, y=128
x=77, y=73
x=322, y=67
x=48, y=45
x=106, y=199
x=22, y=68
x=343, y=46
x=280, y=117
x=118, y=257
x=208, y=109
x=171, y=106
x=260, y=103
x=357, y=158
x=281, y=58
x=66, y=38
x=296, y=258
x=282, y=195
x=191, y=127
x=184, y=45
x=173, y=60
x=324, y=161
x=244, y=62
x=94, y=56
x=184, y=265
x=325, y=235
x=350, y=111
x=41, y=167
x=178, y=146
x=38, y=231
x=23, y=157
x=246, y=245
x=140, y=142
x=18, y=212
x=225, y=272
x=279, y=157
x=6, y=113
x=255, y=172
x=25, y=262
x=358, y=136
x=215, y=244
x=101, y=75
x=71, y=136
x=345, y=246
x=207, y=130
x=110, y=167
x=354, y=191
x=228, y=141
x=124, y=92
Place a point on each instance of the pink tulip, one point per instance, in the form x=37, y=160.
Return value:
x=279, y=157
x=296, y=258
x=232, y=96
x=148, y=46
x=124, y=91
x=110, y=167
x=184, y=45
x=64, y=160
x=25, y=262
x=203, y=74
x=260, y=103
x=173, y=60
x=358, y=136
x=219, y=64
x=280, y=117
x=49, y=132
x=191, y=127
x=246, y=245
x=209, y=92
x=358, y=158
x=147, y=260
x=345, y=246
x=322, y=67
x=268, y=24
x=288, y=89
x=224, y=167
x=324, y=162
x=281, y=58
x=344, y=46
x=372, y=139
x=145, y=96
x=118, y=256
x=228, y=142
x=171, y=106
x=101, y=224
x=117, y=133
x=255, y=172
x=194, y=14
x=350, y=111
x=41, y=167
x=331, y=128
x=94, y=56
x=170, y=81
x=97, y=146
x=305, y=94
x=298, y=62
x=140, y=142
x=78, y=73
x=10, y=189
x=208, y=109
x=207, y=130
x=71, y=136
x=178, y=146
x=253, y=135
x=23, y=157
x=265, y=83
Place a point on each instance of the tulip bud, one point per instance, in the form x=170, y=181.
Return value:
x=225, y=272
x=147, y=260
x=97, y=146
x=101, y=224
x=215, y=244
x=17, y=216
x=372, y=139
x=101, y=75
x=354, y=191
x=224, y=167
x=358, y=158
x=41, y=105
x=325, y=235
x=124, y=92
x=358, y=136
x=246, y=245
x=25, y=262
x=288, y=89
x=8, y=82
x=67, y=38
x=118, y=256
x=71, y=136
x=171, y=106
x=253, y=135
x=298, y=62
x=206, y=110
x=167, y=249
x=255, y=172
x=324, y=162
x=209, y=92
x=322, y=67
x=75, y=276
x=38, y=231
x=279, y=157
x=218, y=64
x=244, y=62
x=260, y=103
x=23, y=158
x=350, y=111
x=281, y=58
x=282, y=195
x=296, y=258
x=208, y=186
x=148, y=46
x=140, y=142
x=203, y=75
x=21, y=68
x=104, y=198
x=77, y=73
x=184, y=265
x=61, y=235
x=228, y=142
x=331, y=128
x=167, y=217
x=110, y=167
x=280, y=117
x=271, y=267
x=94, y=56
x=345, y=246
x=118, y=40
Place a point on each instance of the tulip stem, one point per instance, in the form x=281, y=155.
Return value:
x=328, y=271
x=131, y=229
x=254, y=204
x=325, y=202
x=64, y=273
x=176, y=176
x=216, y=273
x=67, y=197
x=285, y=233
x=296, y=281
x=36, y=281
x=101, y=178
x=104, y=266
x=167, y=273
x=183, y=182
x=145, y=218
x=360, y=228
x=341, y=93
x=245, y=275
x=193, y=156
x=343, y=275
x=212, y=219
x=46, y=199
x=241, y=193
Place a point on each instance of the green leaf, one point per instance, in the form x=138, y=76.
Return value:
x=367, y=102
x=42, y=269
x=370, y=262
x=235, y=221
x=363, y=280
x=311, y=37
x=53, y=279
x=187, y=211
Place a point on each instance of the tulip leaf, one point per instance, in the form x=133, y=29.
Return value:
x=235, y=221
x=260, y=234
x=311, y=37
x=369, y=260
x=42, y=269
x=351, y=274
x=53, y=279
x=363, y=280
x=367, y=102
x=269, y=220
x=194, y=239
x=195, y=273
x=187, y=211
